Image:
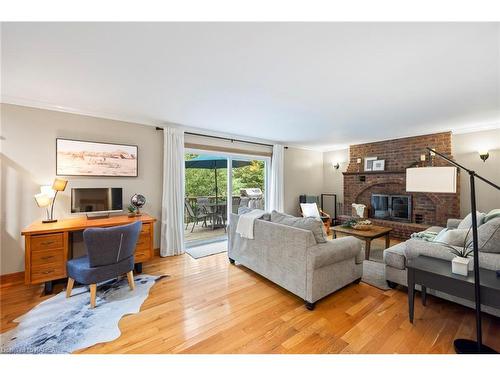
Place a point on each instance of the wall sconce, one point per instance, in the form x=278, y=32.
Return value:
x=484, y=155
x=336, y=166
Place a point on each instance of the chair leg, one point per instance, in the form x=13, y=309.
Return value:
x=93, y=290
x=193, y=227
x=69, y=287
x=130, y=277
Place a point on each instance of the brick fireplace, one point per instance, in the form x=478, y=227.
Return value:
x=426, y=208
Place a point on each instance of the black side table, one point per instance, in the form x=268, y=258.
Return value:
x=436, y=274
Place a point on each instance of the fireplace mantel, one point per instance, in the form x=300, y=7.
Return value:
x=372, y=172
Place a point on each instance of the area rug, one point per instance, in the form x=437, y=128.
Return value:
x=62, y=325
x=206, y=250
x=374, y=274
x=374, y=269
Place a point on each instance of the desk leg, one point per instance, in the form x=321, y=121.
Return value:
x=411, y=293
x=424, y=295
x=367, y=249
x=47, y=289
x=138, y=267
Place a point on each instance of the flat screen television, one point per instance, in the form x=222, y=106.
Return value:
x=96, y=200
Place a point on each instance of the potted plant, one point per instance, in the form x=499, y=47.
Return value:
x=461, y=263
x=131, y=211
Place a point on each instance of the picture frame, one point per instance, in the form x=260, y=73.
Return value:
x=369, y=163
x=378, y=165
x=96, y=159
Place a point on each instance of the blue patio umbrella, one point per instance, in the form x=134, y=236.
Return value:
x=214, y=162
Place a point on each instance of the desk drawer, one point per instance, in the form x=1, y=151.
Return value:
x=142, y=255
x=47, y=242
x=143, y=243
x=40, y=258
x=48, y=272
x=146, y=227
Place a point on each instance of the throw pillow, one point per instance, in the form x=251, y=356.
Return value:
x=466, y=223
x=489, y=236
x=454, y=237
x=440, y=235
x=308, y=223
x=492, y=214
x=310, y=210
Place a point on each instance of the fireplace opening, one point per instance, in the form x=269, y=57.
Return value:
x=391, y=207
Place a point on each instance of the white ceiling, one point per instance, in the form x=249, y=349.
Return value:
x=320, y=85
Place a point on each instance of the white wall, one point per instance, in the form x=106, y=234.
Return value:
x=333, y=178
x=465, y=149
x=303, y=175
x=28, y=140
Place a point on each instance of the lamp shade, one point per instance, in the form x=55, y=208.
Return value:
x=47, y=190
x=431, y=180
x=59, y=184
x=42, y=200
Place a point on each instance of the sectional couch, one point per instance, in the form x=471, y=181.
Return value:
x=395, y=257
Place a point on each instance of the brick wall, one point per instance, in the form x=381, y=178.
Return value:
x=399, y=154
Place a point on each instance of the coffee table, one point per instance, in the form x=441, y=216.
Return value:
x=376, y=231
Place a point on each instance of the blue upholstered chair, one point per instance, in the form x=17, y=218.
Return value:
x=110, y=253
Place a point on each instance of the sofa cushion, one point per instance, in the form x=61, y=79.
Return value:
x=308, y=223
x=466, y=223
x=394, y=256
x=489, y=236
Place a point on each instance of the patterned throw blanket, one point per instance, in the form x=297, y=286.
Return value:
x=424, y=236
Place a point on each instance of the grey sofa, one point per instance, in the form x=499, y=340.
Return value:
x=291, y=258
x=395, y=259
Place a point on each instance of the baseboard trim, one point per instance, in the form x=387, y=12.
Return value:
x=12, y=278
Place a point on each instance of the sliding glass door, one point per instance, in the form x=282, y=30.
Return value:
x=213, y=191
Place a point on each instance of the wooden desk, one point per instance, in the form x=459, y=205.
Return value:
x=47, y=246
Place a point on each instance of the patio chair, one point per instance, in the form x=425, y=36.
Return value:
x=195, y=217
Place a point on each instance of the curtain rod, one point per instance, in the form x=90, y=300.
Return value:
x=225, y=139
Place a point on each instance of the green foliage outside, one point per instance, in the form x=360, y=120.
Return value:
x=201, y=182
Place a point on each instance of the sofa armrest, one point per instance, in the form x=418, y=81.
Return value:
x=453, y=223
x=334, y=251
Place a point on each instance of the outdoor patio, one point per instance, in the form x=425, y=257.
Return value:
x=202, y=233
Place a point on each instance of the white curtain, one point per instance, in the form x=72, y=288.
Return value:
x=276, y=201
x=172, y=211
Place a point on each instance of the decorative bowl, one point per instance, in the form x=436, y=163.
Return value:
x=362, y=226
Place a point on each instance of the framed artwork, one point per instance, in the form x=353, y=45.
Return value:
x=369, y=163
x=378, y=165
x=84, y=158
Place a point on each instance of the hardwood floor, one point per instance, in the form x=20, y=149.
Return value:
x=210, y=306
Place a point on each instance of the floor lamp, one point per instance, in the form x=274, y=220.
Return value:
x=444, y=180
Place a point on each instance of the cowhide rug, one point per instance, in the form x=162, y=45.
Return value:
x=64, y=325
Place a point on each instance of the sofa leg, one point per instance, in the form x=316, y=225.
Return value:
x=357, y=281
x=231, y=261
x=310, y=305
x=391, y=284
